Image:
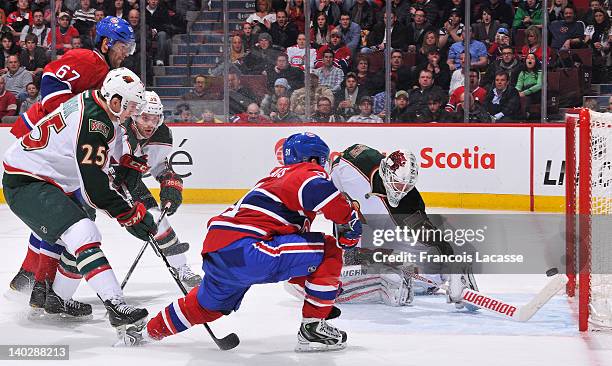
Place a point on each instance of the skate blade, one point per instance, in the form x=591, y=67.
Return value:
x=36, y=313
x=318, y=347
x=61, y=317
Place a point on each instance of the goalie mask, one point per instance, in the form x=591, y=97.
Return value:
x=399, y=172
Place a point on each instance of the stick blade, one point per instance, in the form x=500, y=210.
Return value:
x=228, y=342
x=556, y=283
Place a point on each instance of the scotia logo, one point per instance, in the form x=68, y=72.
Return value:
x=469, y=158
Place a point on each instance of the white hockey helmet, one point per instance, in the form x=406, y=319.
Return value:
x=124, y=83
x=399, y=172
x=154, y=106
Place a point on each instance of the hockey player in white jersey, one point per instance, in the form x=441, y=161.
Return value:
x=67, y=152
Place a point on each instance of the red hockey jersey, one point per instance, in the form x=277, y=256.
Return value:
x=285, y=202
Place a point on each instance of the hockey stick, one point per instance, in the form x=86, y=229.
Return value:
x=144, y=247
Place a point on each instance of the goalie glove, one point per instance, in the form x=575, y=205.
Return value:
x=130, y=170
x=171, y=194
x=350, y=233
x=138, y=222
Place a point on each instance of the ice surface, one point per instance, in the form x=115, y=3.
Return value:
x=430, y=332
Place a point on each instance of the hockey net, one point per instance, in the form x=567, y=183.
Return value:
x=589, y=193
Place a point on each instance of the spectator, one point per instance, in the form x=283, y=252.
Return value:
x=269, y=102
x=448, y=32
x=348, y=97
x=32, y=97
x=350, y=31
x=283, y=112
x=75, y=43
x=440, y=70
x=589, y=17
x=157, y=18
x=529, y=83
x=342, y=54
x=295, y=12
x=331, y=11
x=365, y=112
x=298, y=98
x=249, y=39
x=20, y=17
x=283, y=32
x=534, y=43
x=418, y=29
x=5, y=28
x=555, y=10
x=132, y=62
x=198, y=93
x=63, y=34
x=377, y=38
x=263, y=16
x=237, y=51
x=401, y=75
x=209, y=117
x=262, y=57
x=567, y=33
x=119, y=9
x=477, y=111
x=503, y=101
x=501, y=11
x=449, y=6
x=324, y=111
x=252, y=115
x=502, y=39
x=33, y=57
x=184, y=114
x=400, y=112
x=17, y=77
x=8, y=102
x=435, y=111
x=596, y=37
x=431, y=10
x=282, y=69
x=457, y=77
x=508, y=63
x=85, y=19
x=478, y=54
x=8, y=48
x=320, y=33
x=566, y=59
x=527, y=14
x=362, y=70
x=486, y=29
x=591, y=103
x=239, y=96
x=362, y=13
x=38, y=28
x=419, y=96
x=478, y=92
x=296, y=53
x=402, y=9
x=99, y=15
x=430, y=41
x=328, y=74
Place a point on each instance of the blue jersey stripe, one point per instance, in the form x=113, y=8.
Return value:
x=317, y=191
x=261, y=200
x=50, y=84
x=175, y=319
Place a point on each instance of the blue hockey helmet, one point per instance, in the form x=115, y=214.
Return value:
x=115, y=30
x=302, y=147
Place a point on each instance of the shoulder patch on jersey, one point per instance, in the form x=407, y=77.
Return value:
x=356, y=149
x=99, y=127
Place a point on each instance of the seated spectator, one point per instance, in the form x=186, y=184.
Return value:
x=84, y=19
x=331, y=11
x=298, y=98
x=533, y=40
x=183, y=114
x=503, y=101
x=430, y=41
x=8, y=48
x=282, y=69
x=262, y=57
x=527, y=14
x=199, y=92
x=486, y=29
x=263, y=16
x=478, y=54
x=118, y=8
x=33, y=96
x=567, y=33
x=419, y=96
x=400, y=112
x=448, y=32
x=478, y=92
x=440, y=70
x=401, y=75
x=5, y=28
x=209, y=117
x=157, y=18
x=348, y=96
x=501, y=11
x=33, y=57
x=502, y=39
x=350, y=31
x=328, y=74
x=324, y=111
x=76, y=42
x=555, y=10
x=418, y=29
x=432, y=12
x=589, y=16
x=249, y=39
x=435, y=111
x=529, y=83
x=365, y=112
x=38, y=28
x=284, y=33
x=508, y=63
x=362, y=13
x=477, y=112
x=252, y=115
x=362, y=70
x=297, y=53
x=320, y=33
x=63, y=34
x=8, y=102
x=99, y=15
x=20, y=17
x=269, y=102
x=283, y=112
x=377, y=41
x=17, y=77
x=295, y=12
x=596, y=37
x=239, y=96
x=342, y=54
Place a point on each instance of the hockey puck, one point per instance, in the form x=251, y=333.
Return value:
x=551, y=272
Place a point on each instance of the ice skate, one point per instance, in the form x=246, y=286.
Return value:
x=120, y=313
x=316, y=335
x=38, y=297
x=133, y=335
x=187, y=277
x=56, y=307
x=23, y=281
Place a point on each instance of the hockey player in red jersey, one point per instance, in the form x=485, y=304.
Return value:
x=265, y=238
x=77, y=71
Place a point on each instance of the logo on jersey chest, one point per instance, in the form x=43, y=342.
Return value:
x=99, y=127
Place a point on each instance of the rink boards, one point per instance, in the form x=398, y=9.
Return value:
x=484, y=166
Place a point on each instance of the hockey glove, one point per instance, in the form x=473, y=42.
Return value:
x=138, y=222
x=350, y=233
x=130, y=170
x=171, y=191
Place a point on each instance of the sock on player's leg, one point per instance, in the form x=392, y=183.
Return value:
x=48, y=261
x=96, y=270
x=321, y=286
x=67, y=278
x=30, y=263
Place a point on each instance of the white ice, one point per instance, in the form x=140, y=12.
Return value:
x=428, y=332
